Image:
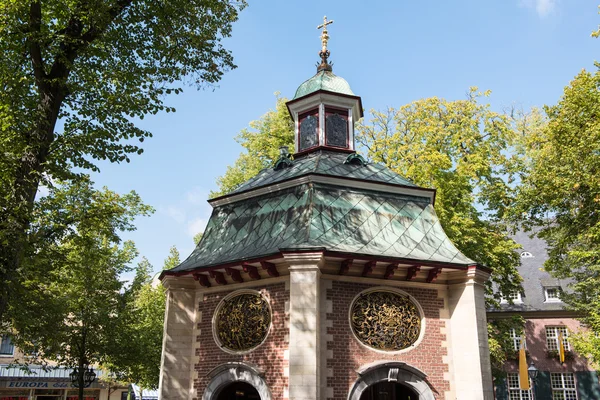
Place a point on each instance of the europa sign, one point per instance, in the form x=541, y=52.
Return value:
x=38, y=384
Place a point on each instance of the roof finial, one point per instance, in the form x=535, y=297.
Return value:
x=324, y=53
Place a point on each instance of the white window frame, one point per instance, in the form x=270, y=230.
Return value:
x=526, y=254
x=515, y=296
x=513, y=383
x=561, y=385
x=2, y=338
x=552, y=299
x=552, y=337
x=516, y=339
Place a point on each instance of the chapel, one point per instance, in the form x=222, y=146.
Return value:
x=325, y=276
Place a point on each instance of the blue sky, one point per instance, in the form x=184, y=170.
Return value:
x=391, y=53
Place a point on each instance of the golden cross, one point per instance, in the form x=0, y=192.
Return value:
x=324, y=35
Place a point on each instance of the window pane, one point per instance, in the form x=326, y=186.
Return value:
x=6, y=346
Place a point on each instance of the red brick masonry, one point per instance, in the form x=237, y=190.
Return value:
x=269, y=356
x=349, y=354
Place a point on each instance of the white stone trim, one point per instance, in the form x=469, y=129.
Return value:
x=391, y=371
x=220, y=305
x=232, y=372
x=396, y=291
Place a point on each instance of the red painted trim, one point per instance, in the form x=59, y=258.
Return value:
x=412, y=272
x=270, y=268
x=234, y=274
x=389, y=270
x=345, y=266
x=369, y=267
x=433, y=274
x=309, y=113
x=326, y=253
x=348, y=96
x=203, y=279
x=410, y=261
x=251, y=270
x=336, y=111
x=218, y=277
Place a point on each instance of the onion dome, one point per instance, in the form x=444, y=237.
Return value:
x=323, y=80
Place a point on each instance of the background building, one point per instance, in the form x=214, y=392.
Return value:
x=52, y=383
x=546, y=317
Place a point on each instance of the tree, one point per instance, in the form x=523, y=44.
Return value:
x=262, y=142
x=138, y=361
x=96, y=66
x=172, y=259
x=460, y=148
x=559, y=193
x=73, y=275
x=198, y=238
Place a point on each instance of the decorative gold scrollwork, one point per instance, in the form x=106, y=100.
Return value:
x=385, y=320
x=243, y=321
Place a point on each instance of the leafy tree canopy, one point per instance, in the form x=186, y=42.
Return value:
x=72, y=273
x=461, y=149
x=559, y=194
x=95, y=66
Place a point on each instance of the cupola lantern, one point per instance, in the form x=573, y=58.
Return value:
x=324, y=108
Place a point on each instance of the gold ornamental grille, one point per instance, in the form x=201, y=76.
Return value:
x=385, y=320
x=243, y=322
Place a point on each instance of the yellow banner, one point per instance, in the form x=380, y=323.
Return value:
x=561, y=348
x=523, y=375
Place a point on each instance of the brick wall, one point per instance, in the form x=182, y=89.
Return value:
x=535, y=336
x=269, y=356
x=349, y=354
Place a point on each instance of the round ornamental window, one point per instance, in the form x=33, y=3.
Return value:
x=242, y=322
x=385, y=320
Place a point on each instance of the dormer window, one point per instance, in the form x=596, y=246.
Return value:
x=308, y=130
x=552, y=294
x=336, y=127
x=514, y=296
x=526, y=254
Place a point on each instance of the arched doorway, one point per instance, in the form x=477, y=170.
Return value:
x=402, y=381
x=388, y=391
x=238, y=391
x=236, y=381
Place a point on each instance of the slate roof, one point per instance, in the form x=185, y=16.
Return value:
x=324, y=162
x=535, y=279
x=319, y=216
x=323, y=80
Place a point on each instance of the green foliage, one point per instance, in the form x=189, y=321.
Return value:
x=198, y=238
x=71, y=302
x=139, y=340
x=262, y=142
x=460, y=148
x=560, y=194
x=173, y=259
x=96, y=66
x=501, y=343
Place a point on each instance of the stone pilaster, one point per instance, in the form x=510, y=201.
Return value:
x=304, y=346
x=178, y=339
x=468, y=337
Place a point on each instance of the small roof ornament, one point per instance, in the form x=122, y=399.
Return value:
x=324, y=53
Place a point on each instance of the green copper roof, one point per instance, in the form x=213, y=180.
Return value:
x=328, y=217
x=324, y=162
x=323, y=80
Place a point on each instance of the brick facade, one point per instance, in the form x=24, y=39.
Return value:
x=269, y=356
x=348, y=354
x=535, y=333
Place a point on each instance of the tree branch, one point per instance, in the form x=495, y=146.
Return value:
x=35, y=52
